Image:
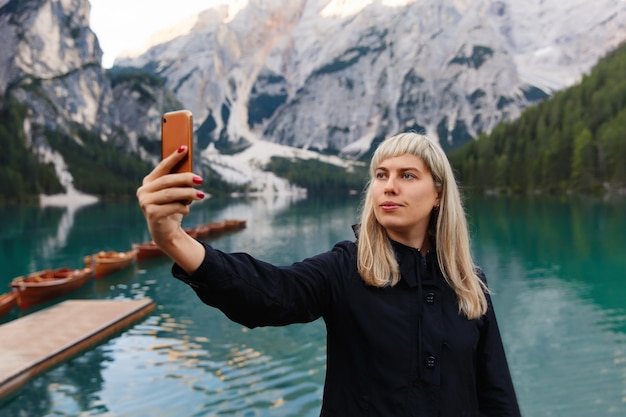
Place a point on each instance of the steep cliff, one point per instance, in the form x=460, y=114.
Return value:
x=51, y=60
x=333, y=76
x=308, y=79
x=50, y=63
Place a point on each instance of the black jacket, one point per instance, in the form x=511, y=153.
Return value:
x=393, y=351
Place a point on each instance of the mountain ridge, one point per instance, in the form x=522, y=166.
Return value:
x=463, y=66
x=312, y=78
x=573, y=142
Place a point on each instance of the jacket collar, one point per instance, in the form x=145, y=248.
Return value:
x=415, y=267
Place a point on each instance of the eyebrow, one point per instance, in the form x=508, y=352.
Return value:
x=402, y=169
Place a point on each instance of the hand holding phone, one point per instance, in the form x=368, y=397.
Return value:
x=177, y=131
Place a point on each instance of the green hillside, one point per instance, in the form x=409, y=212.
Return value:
x=22, y=177
x=98, y=168
x=573, y=142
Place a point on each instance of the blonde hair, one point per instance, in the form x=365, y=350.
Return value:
x=447, y=228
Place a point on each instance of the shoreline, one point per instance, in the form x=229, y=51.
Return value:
x=74, y=199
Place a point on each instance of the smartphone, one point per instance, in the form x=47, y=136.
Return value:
x=176, y=131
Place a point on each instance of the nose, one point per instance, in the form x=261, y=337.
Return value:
x=390, y=187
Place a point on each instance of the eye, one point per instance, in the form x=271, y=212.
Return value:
x=408, y=176
x=380, y=175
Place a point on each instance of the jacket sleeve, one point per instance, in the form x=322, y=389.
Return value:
x=256, y=293
x=496, y=393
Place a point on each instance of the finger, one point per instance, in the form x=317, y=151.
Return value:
x=167, y=195
x=167, y=164
x=155, y=213
x=176, y=194
x=153, y=183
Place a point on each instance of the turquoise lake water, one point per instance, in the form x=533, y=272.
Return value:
x=557, y=268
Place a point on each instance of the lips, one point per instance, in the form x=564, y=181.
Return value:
x=389, y=205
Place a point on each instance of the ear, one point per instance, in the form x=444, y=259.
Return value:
x=437, y=201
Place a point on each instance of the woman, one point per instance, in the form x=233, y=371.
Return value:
x=411, y=330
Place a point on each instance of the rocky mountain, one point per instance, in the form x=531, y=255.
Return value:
x=334, y=75
x=50, y=63
x=320, y=79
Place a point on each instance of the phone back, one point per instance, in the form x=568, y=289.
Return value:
x=176, y=131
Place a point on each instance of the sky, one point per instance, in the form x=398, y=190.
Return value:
x=122, y=25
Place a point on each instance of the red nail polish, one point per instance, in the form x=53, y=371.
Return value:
x=182, y=149
x=197, y=180
x=200, y=194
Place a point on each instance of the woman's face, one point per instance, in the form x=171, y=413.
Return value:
x=404, y=195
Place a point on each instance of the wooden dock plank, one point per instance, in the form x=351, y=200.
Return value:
x=34, y=343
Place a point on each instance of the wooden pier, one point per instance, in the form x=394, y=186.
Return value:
x=34, y=343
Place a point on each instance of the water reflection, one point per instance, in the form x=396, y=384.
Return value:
x=71, y=387
x=580, y=240
x=32, y=239
x=557, y=269
x=558, y=277
x=50, y=245
x=22, y=230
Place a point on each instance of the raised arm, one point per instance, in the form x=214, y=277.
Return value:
x=164, y=199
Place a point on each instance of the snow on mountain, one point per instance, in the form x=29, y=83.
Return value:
x=304, y=78
x=336, y=75
x=246, y=167
x=330, y=73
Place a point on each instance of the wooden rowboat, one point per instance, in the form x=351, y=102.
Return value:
x=147, y=250
x=202, y=230
x=105, y=263
x=8, y=302
x=217, y=227
x=225, y=226
x=234, y=224
x=48, y=284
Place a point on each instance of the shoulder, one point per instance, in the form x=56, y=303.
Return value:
x=480, y=274
x=341, y=257
x=346, y=246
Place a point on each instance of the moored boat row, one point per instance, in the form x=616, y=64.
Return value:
x=149, y=250
x=105, y=263
x=45, y=285
x=48, y=284
x=8, y=302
